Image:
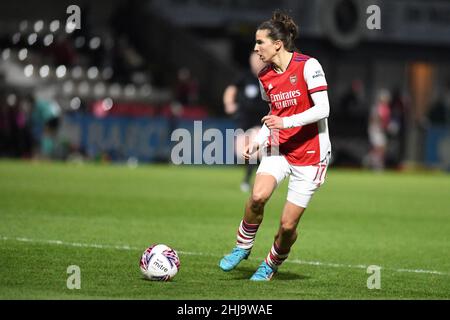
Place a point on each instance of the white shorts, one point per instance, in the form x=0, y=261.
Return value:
x=303, y=181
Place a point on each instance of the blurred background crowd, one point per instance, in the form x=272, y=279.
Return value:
x=116, y=88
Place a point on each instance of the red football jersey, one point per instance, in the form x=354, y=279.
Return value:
x=289, y=93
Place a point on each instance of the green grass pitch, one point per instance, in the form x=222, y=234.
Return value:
x=102, y=217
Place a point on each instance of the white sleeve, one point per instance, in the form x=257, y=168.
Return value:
x=262, y=136
x=264, y=132
x=263, y=92
x=314, y=76
x=319, y=111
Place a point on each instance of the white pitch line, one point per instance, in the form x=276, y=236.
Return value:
x=361, y=266
x=126, y=247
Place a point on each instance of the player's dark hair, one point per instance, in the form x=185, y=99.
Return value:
x=281, y=27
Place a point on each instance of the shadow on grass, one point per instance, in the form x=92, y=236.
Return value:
x=244, y=273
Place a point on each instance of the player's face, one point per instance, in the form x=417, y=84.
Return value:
x=265, y=47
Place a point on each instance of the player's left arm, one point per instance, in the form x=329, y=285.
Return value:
x=317, y=88
x=319, y=111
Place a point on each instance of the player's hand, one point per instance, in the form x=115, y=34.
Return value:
x=250, y=149
x=273, y=122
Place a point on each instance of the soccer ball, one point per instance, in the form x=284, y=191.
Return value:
x=159, y=263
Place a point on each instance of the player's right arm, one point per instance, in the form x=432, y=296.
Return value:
x=261, y=139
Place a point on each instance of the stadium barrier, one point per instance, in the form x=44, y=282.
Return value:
x=148, y=139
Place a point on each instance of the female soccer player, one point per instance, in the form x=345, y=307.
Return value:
x=294, y=138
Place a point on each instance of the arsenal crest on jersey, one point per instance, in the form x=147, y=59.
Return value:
x=293, y=79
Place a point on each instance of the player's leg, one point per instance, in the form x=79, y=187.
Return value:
x=286, y=235
x=263, y=188
x=303, y=183
x=253, y=215
x=271, y=171
x=287, y=232
x=284, y=239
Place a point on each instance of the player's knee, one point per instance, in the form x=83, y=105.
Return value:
x=258, y=199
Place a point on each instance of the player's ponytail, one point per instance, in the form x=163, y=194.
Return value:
x=281, y=27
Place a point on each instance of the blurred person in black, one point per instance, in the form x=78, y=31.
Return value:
x=5, y=126
x=351, y=104
x=399, y=107
x=15, y=127
x=23, y=136
x=243, y=101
